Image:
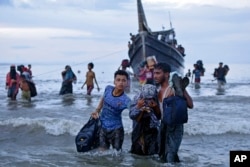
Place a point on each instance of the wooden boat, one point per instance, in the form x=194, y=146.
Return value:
x=160, y=45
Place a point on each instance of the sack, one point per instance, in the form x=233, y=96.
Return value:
x=88, y=137
x=174, y=110
x=32, y=87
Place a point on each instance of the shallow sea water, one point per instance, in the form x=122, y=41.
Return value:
x=42, y=133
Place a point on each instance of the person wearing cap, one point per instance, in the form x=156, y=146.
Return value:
x=12, y=82
x=146, y=115
x=170, y=135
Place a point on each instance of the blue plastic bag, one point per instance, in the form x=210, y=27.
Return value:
x=175, y=110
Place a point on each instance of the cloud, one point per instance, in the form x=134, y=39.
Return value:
x=184, y=3
x=38, y=33
x=83, y=30
x=50, y=4
x=21, y=47
x=119, y=4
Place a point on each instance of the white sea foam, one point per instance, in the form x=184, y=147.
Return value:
x=55, y=126
x=52, y=126
x=214, y=128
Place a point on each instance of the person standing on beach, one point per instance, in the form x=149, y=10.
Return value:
x=170, y=135
x=12, y=82
x=146, y=115
x=110, y=109
x=90, y=78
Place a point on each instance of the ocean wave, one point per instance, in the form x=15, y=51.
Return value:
x=56, y=126
x=217, y=128
x=52, y=126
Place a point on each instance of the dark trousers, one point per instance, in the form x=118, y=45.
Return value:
x=170, y=141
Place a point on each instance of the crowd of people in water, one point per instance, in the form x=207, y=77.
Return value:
x=219, y=74
x=20, y=78
x=154, y=132
x=150, y=135
x=69, y=77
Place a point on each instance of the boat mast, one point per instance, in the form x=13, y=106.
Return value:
x=170, y=20
x=143, y=26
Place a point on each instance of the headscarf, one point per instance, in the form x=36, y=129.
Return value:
x=148, y=91
x=69, y=73
x=13, y=72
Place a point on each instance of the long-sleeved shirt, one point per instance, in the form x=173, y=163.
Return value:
x=135, y=112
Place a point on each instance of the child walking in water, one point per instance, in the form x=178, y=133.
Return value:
x=24, y=86
x=113, y=102
x=90, y=78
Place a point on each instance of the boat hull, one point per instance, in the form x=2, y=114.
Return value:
x=145, y=45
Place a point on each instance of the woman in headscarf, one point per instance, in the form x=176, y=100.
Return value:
x=146, y=115
x=68, y=77
x=12, y=82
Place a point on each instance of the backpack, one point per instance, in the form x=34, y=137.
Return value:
x=175, y=110
x=200, y=67
x=88, y=137
x=215, y=74
x=32, y=87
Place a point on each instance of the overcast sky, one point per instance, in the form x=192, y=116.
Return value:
x=79, y=31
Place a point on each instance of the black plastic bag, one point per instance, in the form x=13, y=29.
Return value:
x=88, y=137
x=32, y=87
